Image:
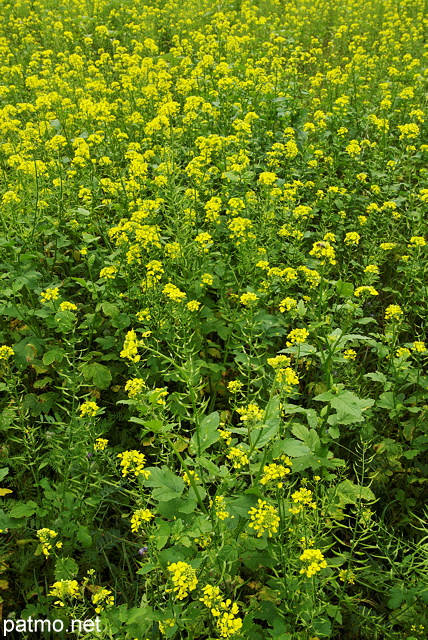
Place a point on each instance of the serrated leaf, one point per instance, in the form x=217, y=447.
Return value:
x=350, y=493
x=167, y=485
x=84, y=537
x=207, y=433
x=98, y=373
x=23, y=510
x=65, y=569
x=261, y=436
x=291, y=447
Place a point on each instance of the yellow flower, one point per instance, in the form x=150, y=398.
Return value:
x=264, y=517
x=192, y=475
x=6, y=352
x=302, y=497
x=138, y=517
x=393, y=312
x=237, y=457
x=109, y=272
x=297, y=336
x=65, y=588
x=102, y=599
x=135, y=387
x=67, y=306
x=250, y=412
x=361, y=291
x=315, y=559
x=45, y=536
x=247, y=298
x=287, y=304
x=130, y=347
x=207, y=279
x=419, y=346
x=324, y=251
x=417, y=241
x=183, y=578
x=173, y=293
x=275, y=472
x=132, y=462
x=234, y=386
x=352, y=238
x=50, y=294
x=100, y=444
x=193, y=305
x=88, y=409
x=349, y=354
x=220, y=509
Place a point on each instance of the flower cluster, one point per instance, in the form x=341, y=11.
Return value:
x=224, y=611
x=65, y=589
x=130, y=347
x=315, y=560
x=138, y=517
x=132, y=463
x=6, y=352
x=45, y=536
x=89, y=409
x=101, y=599
x=135, y=387
x=302, y=498
x=220, y=509
x=50, y=294
x=264, y=517
x=184, y=579
x=238, y=457
x=275, y=473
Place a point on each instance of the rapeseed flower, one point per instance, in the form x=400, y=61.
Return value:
x=132, y=463
x=297, y=336
x=316, y=562
x=6, y=352
x=138, y=517
x=183, y=578
x=89, y=408
x=393, y=312
x=264, y=517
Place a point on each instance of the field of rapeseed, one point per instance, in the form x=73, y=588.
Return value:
x=214, y=267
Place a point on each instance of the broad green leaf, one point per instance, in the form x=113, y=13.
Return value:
x=261, y=436
x=167, y=485
x=23, y=510
x=3, y=472
x=65, y=569
x=54, y=355
x=207, y=433
x=98, y=373
x=84, y=537
x=350, y=493
x=291, y=447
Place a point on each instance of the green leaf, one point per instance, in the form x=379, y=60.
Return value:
x=65, y=569
x=3, y=473
x=167, y=484
x=261, y=436
x=396, y=597
x=64, y=321
x=344, y=289
x=54, y=355
x=23, y=510
x=207, y=433
x=350, y=493
x=291, y=447
x=146, y=568
x=98, y=373
x=84, y=537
